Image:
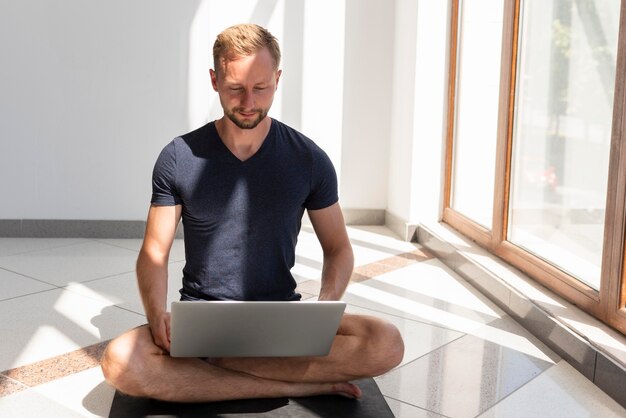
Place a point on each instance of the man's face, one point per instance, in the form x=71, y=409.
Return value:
x=246, y=88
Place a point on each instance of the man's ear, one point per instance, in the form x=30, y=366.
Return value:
x=213, y=74
x=278, y=74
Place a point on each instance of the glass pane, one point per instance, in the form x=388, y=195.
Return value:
x=562, y=132
x=476, y=118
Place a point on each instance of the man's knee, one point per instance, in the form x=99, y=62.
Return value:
x=395, y=346
x=385, y=347
x=115, y=361
x=122, y=362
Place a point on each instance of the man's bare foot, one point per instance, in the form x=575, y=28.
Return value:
x=347, y=389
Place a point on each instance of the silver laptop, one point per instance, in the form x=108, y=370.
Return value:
x=253, y=329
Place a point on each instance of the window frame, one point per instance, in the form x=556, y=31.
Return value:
x=607, y=303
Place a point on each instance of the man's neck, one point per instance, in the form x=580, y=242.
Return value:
x=243, y=143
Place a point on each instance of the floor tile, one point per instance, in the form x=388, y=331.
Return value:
x=404, y=410
x=463, y=355
x=48, y=370
x=302, y=272
x=29, y=403
x=508, y=333
x=309, y=258
x=9, y=386
x=379, y=237
x=12, y=246
x=427, y=292
x=14, y=285
x=371, y=254
x=79, y=262
x=309, y=244
x=369, y=244
x=85, y=393
x=128, y=243
x=55, y=322
x=312, y=287
x=122, y=290
x=560, y=391
x=177, y=252
x=419, y=338
x=371, y=248
x=463, y=378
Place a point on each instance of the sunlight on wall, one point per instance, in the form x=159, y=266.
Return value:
x=429, y=112
x=211, y=18
x=323, y=75
x=199, y=83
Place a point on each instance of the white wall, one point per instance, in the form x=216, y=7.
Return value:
x=430, y=111
x=402, y=129
x=419, y=111
x=321, y=89
x=367, y=98
x=91, y=92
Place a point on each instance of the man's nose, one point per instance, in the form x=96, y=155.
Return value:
x=247, y=101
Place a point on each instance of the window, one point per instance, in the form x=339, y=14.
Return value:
x=535, y=163
x=476, y=111
x=562, y=134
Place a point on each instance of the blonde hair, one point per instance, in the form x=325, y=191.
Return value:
x=243, y=40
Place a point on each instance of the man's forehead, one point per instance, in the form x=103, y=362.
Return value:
x=246, y=69
x=234, y=80
x=261, y=56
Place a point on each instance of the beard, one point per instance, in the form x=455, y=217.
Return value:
x=246, y=123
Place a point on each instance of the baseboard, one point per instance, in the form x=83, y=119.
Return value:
x=71, y=228
x=364, y=216
x=400, y=227
x=80, y=228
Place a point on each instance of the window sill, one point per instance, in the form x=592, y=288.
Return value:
x=593, y=348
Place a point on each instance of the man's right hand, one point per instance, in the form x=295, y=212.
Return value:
x=160, y=328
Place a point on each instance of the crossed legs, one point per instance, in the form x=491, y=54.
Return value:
x=364, y=347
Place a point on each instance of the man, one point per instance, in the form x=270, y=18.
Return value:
x=241, y=185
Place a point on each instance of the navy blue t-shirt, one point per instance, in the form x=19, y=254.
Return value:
x=241, y=219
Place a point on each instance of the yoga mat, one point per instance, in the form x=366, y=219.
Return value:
x=372, y=404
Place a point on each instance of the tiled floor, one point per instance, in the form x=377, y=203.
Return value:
x=61, y=300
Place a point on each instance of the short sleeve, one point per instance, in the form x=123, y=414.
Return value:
x=323, y=182
x=164, y=192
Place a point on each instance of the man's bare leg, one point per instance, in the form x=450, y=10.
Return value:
x=364, y=347
x=136, y=366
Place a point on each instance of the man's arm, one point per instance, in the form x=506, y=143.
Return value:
x=152, y=269
x=331, y=231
